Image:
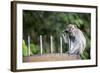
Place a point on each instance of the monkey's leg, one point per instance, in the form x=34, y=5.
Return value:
x=74, y=49
x=71, y=45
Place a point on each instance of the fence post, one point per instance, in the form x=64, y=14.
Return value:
x=29, y=52
x=61, y=51
x=41, y=45
x=51, y=42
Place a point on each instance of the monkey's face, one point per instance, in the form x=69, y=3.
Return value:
x=70, y=28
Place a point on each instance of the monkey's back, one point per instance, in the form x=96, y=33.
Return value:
x=79, y=36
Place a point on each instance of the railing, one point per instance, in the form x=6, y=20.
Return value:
x=41, y=45
x=51, y=56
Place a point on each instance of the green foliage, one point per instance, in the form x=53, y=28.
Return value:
x=24, y=49
x=85, y=55
x=34, y=49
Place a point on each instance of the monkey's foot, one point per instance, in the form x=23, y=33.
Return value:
x=72, y=53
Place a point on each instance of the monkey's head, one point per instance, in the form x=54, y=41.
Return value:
x=70, y=28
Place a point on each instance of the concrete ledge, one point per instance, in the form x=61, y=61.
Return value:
x=50, y=57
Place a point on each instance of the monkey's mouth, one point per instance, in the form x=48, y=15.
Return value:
x=66, y=31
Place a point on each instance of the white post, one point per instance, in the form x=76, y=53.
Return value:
x=61, y=51
x=51, y=42
x=41, y=47
x=29, y=52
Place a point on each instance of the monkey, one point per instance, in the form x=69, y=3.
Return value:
x=75, y=39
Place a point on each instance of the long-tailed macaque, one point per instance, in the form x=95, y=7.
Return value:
x=75, y=39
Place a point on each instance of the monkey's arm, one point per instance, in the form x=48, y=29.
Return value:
x=66, y=38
